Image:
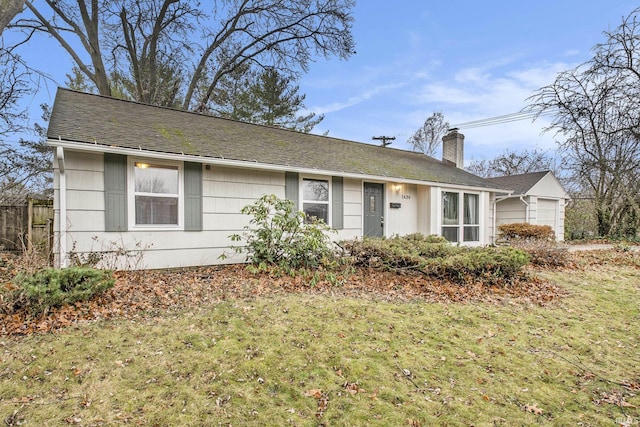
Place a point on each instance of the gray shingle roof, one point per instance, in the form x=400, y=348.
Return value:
x=520, y=184
x=104, y=121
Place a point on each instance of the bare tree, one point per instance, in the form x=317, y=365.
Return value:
x=14, y=84
x=511, y=162
x=597, y=119
x=17, y=80
x=177, y=52
x=27, y=166
x=8, y=10
x=428, y=138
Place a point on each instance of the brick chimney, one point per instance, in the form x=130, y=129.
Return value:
x=453, y=148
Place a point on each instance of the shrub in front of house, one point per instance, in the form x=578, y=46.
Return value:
x=434, y=257
x=280, y=235
x=525, y=231
x=489, y=265
x=538, y=241
x=43, y=290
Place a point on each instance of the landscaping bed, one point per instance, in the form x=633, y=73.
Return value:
x=145, y=293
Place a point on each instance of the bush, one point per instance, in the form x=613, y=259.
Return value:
x=543, y=253
x=539, y=241
x=490, y=265
x=435, y=257
x=525, y=231
x=282, y=236
x=51, y=287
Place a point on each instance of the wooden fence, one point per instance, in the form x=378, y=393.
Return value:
x=26, y=223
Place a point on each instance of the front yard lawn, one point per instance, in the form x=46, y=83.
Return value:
x=221, y=346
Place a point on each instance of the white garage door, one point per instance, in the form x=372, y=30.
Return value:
x=547, y=212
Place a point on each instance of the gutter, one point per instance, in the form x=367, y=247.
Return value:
x=99, y=148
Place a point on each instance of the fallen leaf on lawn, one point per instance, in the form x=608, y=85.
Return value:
x=353, y=388
x=314, y=392
x=614, y=399
x=533, y=409
x=323, y=402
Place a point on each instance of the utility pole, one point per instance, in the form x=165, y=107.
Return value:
x=386, y=140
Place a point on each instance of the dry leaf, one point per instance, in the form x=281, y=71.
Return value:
x=314, y=392
x=353, y=388
x=533, y=409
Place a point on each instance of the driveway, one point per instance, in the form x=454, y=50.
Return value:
x=596, y=247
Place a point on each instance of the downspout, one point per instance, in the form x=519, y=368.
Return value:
x=526, y=210
x=62, y=229
x=495, y=215
x=494, y=231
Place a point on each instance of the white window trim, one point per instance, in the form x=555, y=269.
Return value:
x=460, y=226
x=329, y=203
x=131, y=196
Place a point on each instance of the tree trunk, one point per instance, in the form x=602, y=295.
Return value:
x=604, y=222
x=8, y=10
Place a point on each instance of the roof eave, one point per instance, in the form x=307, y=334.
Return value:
x=101, y=148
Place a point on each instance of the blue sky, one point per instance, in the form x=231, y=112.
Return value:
x=470, y=60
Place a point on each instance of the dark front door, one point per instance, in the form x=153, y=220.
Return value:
x=373, y=210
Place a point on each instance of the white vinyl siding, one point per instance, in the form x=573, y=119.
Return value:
x=547, y=212
x=510, y=211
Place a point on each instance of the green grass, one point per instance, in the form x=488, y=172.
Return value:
x=266, y=361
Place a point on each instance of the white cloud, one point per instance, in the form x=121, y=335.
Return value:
x=485, y=92
x=356, y=99
x=396, y=100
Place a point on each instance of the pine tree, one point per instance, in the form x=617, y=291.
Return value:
x=273, y=100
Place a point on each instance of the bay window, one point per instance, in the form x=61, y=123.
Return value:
x=460, y=217
x=471, y=227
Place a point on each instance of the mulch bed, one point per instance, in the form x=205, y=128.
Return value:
x=141, y=294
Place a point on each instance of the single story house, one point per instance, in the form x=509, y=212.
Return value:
x=172, y=183
x=537, y=198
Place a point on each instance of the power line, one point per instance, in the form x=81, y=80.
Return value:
x=505, y=118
